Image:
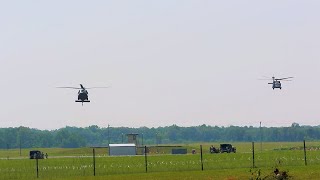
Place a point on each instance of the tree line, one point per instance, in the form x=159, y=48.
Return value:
x=73, y=137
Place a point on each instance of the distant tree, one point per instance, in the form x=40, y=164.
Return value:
x=93, y=135
x=295, y=125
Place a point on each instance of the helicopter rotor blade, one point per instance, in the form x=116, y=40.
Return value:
x=265, y=78
x=69, y=87
x=284, y=78
x=82, y=87
x=98, y=87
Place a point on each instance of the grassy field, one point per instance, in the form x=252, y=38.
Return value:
x=78, y=163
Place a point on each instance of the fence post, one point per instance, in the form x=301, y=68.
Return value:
x=201, y=157
x=94, y=161
x=37, y=164
x=305, y=153
x=253, y=166
x=145, y=158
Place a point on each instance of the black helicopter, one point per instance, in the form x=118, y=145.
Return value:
x=276, y=81
x=82, y=93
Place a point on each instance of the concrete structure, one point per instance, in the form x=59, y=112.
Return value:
x=122, y=149
x=133, y=138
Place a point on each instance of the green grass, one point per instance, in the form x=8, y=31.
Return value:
x=77, y=163
x=296, y=172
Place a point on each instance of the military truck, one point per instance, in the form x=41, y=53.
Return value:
x=35, y=154
x=228, y=148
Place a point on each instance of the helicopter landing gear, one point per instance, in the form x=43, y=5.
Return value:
x=82, y=101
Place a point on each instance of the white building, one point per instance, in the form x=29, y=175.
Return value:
x=122, y=149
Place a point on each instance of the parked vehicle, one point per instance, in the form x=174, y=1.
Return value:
x=228, y=148
x=35, y=154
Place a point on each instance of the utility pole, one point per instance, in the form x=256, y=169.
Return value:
x=260, y=137
x=20, y=139
x=142, y=139
x=20, y=145
x=108, y=134
x=157, y=142
x=122, y=137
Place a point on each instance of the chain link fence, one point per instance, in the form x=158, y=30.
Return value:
x=159, y=159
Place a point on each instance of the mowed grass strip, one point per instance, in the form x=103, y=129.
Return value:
x=295, y=172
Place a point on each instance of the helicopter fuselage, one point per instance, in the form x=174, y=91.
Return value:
x=83, y=96
x=276, y=84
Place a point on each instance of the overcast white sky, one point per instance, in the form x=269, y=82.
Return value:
x=187, y=62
